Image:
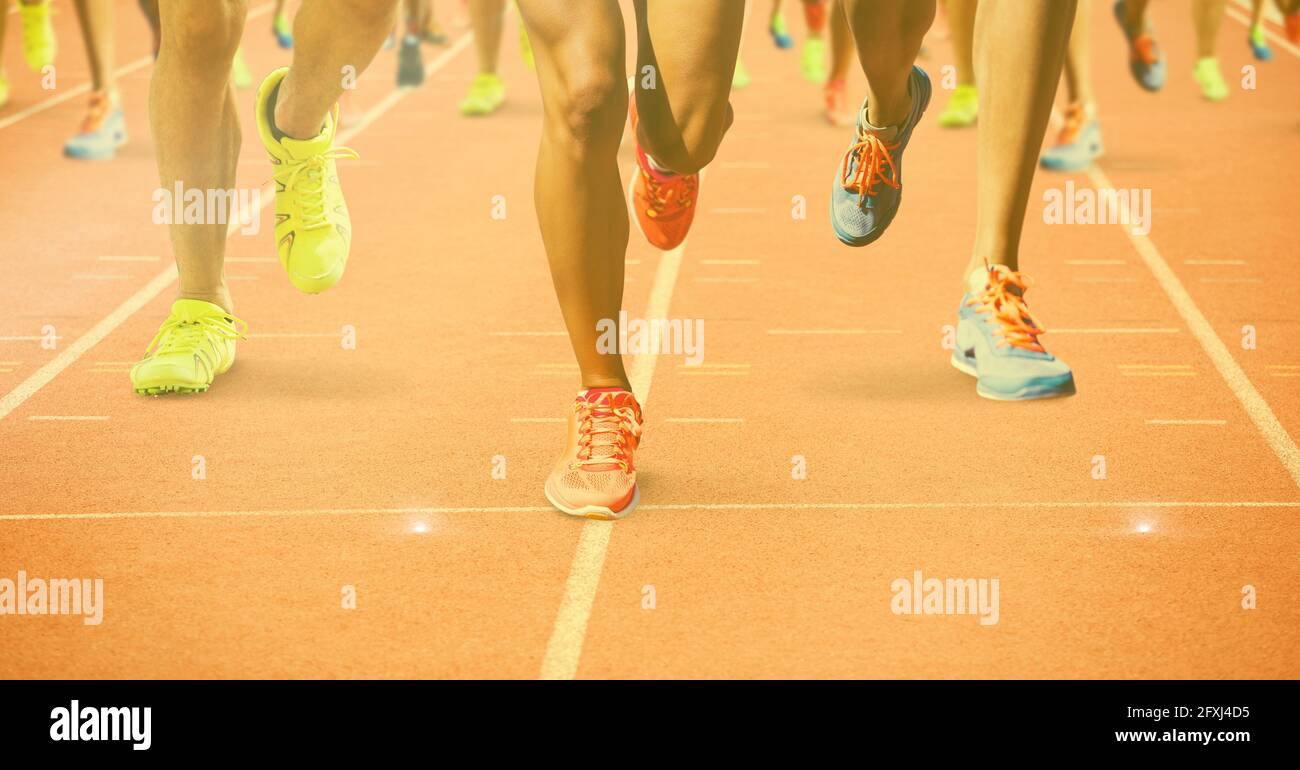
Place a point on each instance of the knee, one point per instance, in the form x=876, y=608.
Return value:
x=691, y=141
x=593, y=108
x=203, y=34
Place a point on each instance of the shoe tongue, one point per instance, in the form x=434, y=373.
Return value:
x=194, y=309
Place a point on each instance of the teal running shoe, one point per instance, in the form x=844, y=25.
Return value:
x=997, y=341
x=868, y=186
x=1078, y=144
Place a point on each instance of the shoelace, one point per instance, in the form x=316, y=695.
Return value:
x=1016, y=325
x=662, y=191
x=874, y=163
x=1074, y=119
x=99, y=104
x=305, y=180
x=179, y=335
x=613, y=430
x=1145, y=47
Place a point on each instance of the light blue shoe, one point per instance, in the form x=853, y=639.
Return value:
x=1146, y=60
x=103, y=132
x=997, y=343
x=780, y=33
x=868, y=185
x=1259, y=44
x=1078, y=145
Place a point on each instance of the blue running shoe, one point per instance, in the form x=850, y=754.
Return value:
x=780, y=33
x=869, y=184
x=410, y=63
x=1259, y=44
x=103, y=131
x=1145, y=59
x=1078, y=144
x=282, y=31
x=997, y=342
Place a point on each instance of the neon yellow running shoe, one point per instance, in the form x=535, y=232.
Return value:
x=962, y=109
x=526, y=48
x=313, y=231
x=39, y=44
x=813, y=64
x=1213, y=86
x=239, y=74
x=740, y=78
x=486, y=94
x=193, y=346
x=4, y=89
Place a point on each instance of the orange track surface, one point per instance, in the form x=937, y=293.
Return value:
x=371, y=467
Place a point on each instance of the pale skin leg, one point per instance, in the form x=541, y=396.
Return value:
x=334, y=35
x=888, y=35
x=487, y=17
x=1017, y=86
x=1078, y=57
x=98, y=34
x=961, y=23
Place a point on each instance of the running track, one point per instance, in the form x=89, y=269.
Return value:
x=371, y=467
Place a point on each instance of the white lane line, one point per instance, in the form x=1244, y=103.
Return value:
x=67, y=417
x=1126, y=330
x=1256, y=407
x=69, y=355
x=1186, y=422
x=84, y=88
x=564, y=648
x=1019, y=506
x=798, y=332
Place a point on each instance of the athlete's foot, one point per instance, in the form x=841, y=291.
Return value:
x=1078, y=144
x=740, y=78
x=239, y=74
x=596, y=476
x=434, y=34
x=4, y=89
x=312, y=229
x=1258, y=43
x=282, y=30
x=1293, y=26
x=997, y=341
x=779, y=32
x=1145, y=59
x=103, y=130
x=813, y=60
x=194, y=345
x=410, y=63
x=962, y=109
x=486, y=94
x=838, y=112
x=1213, y=87
x=39, y=43
x=664, y=202
x=868, y=185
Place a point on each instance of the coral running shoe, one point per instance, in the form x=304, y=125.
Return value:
x=838, y=113
x=596, y=476
x=313, y=230
x=193, y=346
x=997, y=341
x=664, y=202
x=102, y=132
x=1078, y=144
x=1145, y=59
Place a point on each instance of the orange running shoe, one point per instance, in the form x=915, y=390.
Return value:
x=596, y=478
x=664, y=202
x=838, y=112
x=1293, y=26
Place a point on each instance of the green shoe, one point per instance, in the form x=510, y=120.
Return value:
x=740, y=78
x=4, y=89
x=239, y=74
x=962, y=109
x=814, y=60
x=486, y=94
x=1207, y=74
